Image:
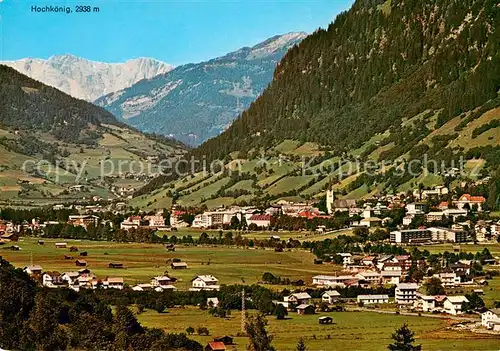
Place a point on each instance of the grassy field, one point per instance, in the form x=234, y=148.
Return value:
x=230, y=265
x=361, y=331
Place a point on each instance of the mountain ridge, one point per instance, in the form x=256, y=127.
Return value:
x=88, y=79
x=197, y=101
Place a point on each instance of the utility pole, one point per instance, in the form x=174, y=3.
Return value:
x=243, y=311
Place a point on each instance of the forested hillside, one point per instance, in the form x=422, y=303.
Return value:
x=56, y=135
x=32, y=106
x=377, y=64
x=388, y=81
x=195, y=102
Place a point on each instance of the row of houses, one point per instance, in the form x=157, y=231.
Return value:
x=85, y=279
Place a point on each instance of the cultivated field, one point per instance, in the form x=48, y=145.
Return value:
x=142, y=261
x=361, y=331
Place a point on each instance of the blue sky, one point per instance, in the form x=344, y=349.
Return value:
x=176, y=32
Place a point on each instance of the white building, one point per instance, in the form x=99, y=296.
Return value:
x=330, y=296
x=52, y=279
x=113, y=283
x=33, y=269
x=446, y=234
x=415, y=208
x=406, y=293
x=330, y=280
x=212, y=302
x=155, y=221
x=490, y=316
x=410, y=236
x=391, y=277
x=205, y=282
x=372, y=299
x=260, y=220
x=161, y=281
x=425, y=303
x=370, y=222
x=448, y=278
x=346, y=258
x=372, y=277
x=453, y=304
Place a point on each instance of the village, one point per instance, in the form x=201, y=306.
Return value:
x=400, y=278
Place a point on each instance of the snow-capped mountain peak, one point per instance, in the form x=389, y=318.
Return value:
x=86, y=79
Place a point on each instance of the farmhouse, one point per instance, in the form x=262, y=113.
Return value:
x=302, y=298
x=489, y=317
x=453, y=304
x=204, y=282
x=371, y=299
x=370, y=222
x=33, y=269
x=305, y=309
x=406, y=293
x=162, y=281
x=215, y=346
x=52, y=279
x=70, y=277
x=425, y=303
x=330, y=296
x=113, y=283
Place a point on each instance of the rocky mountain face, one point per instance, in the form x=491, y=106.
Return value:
x=195, y=102
x=85, y=79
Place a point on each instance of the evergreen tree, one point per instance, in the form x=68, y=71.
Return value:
x=301, y=345
x=256, y=330
x=403, y=340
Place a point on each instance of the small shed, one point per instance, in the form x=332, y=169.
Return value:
x=325, y=320
x=73, y=249
x=68, y=257
x=41, y=242
x=178, y=265
x=115, y=265
x=61, y=245
x=81, y=263
x=84, y=253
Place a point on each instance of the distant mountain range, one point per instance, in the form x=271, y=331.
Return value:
x=85, y=79
x=195, y=102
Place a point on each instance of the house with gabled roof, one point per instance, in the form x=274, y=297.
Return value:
x=453, y=304
x=204, y=282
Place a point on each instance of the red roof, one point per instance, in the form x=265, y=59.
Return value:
x=216, y=345
x=260, y=217
x=134, y=218
x=443, y=204
x=469, y=198
x=403, y=257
